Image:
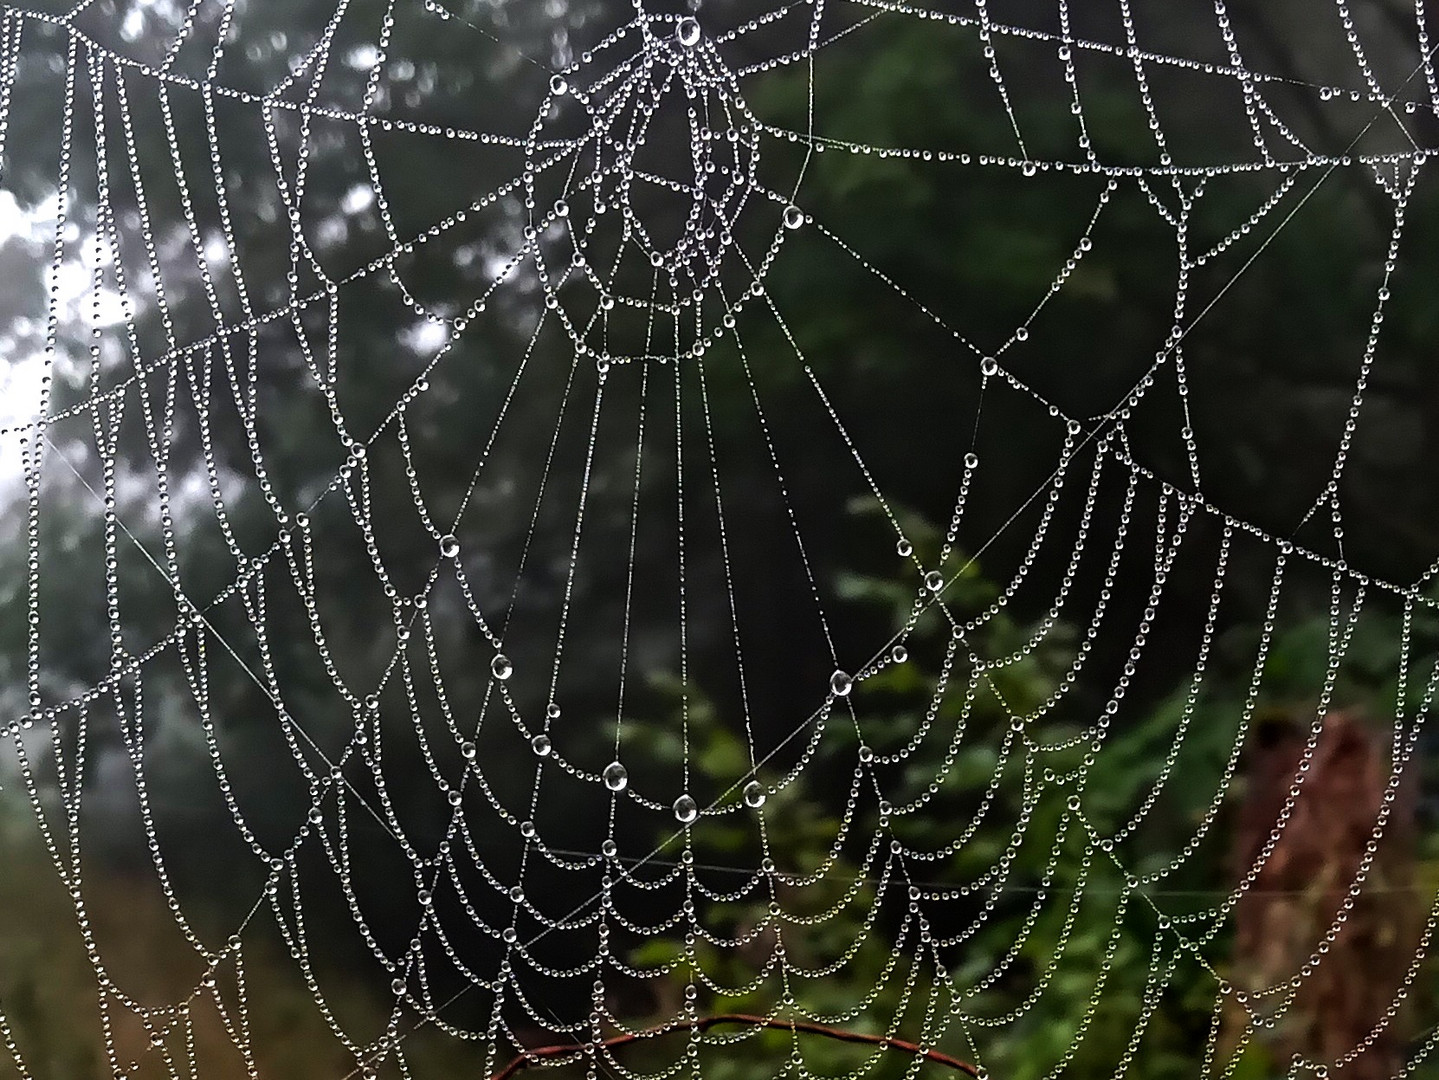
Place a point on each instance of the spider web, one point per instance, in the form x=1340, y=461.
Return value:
x=559, y=840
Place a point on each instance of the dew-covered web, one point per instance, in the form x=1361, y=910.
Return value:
x=450, y=667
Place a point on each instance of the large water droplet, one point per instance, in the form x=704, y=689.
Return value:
x=449, y=546
x=934, y=581
x=899, y=654
x=616, y=776
x=609, y=849
x=686, y=809
x=754, y=794
x=904, y=547
x=840, y=684
x=688, y=32
x=793, y=217
x=398, y=986
x=559, y=85
x=540, y=744
x=501, y=667
x=467, y=750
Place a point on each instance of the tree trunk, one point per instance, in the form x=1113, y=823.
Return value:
x=1284, y=918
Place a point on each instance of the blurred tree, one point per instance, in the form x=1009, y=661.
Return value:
x=1271, y=372
x=1304, y=886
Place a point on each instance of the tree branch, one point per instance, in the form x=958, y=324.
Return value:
x=704, y=1023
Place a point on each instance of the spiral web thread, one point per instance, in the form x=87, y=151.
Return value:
x=573, y=180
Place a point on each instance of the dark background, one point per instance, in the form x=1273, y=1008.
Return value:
x=751, y=495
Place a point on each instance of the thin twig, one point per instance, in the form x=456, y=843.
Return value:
x=532, y=1057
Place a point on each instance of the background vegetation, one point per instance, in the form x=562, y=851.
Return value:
x=1270, y=374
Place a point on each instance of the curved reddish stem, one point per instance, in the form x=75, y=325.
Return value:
x=531, y=1057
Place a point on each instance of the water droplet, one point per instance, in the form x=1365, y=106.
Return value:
x=398, y=986
x=616, y=776
x=552, y=711
x=754, y=794
x=971, y=461
x=686, y=810
x=989, y=366
x=562, y=209
x=866, y=754
x=934, y=581
x=316, y=816
x=840, y=684
x=905, y=548
x=425, y=898
x=688, y=32
x=467, y=751
x=455, y=797
x=540, y=744
x=609, y=849
x=899, y=654
x=559, y=85
x=793, y=217
x=449, y=546
x=510, y=935
x=527, y=830
x=501, y=667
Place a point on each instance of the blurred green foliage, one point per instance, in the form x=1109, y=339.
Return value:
x=1062, y=948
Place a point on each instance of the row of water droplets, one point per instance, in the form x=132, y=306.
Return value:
x=621, y=104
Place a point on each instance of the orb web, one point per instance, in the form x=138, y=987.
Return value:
x=468, y=642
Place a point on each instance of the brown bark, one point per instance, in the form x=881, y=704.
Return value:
x=1305, y=881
